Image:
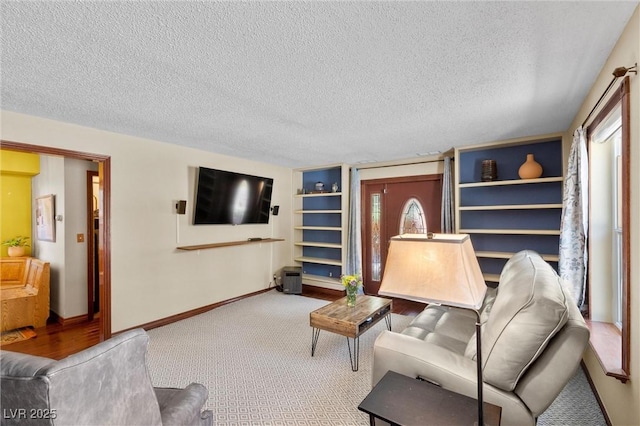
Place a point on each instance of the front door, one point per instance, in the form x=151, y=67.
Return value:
x=407, y=205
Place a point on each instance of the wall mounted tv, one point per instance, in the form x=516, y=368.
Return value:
x=228, y=198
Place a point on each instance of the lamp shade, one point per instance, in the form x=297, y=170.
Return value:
x=442, y=270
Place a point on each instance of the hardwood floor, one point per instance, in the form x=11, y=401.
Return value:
x=55, y=341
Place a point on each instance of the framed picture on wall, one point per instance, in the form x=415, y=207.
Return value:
x=45, y=218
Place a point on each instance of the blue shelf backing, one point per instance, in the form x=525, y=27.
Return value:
x=321, y=270
x=495, y=266
x=510, y=158
x=330, y=202
x=334, y=237
x=543, y=244
x=546, y=193
x=538, y=219
x=491, y=266
x=322, y=252
x=326, y=176
x=321, y=220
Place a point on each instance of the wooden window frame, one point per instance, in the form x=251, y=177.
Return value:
x=612, y=346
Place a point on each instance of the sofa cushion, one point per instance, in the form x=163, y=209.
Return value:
x=529, y=309
x=450, y=328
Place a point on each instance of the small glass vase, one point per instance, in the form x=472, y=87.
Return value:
x=352, y=291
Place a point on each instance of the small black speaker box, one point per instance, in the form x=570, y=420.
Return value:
x=181, y=207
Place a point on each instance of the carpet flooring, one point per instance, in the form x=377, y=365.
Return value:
x=254, y=356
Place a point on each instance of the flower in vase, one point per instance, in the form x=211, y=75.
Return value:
x=354, y=281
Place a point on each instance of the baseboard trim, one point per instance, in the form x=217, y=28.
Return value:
x=595, y=393
x=308, y=288
x=66, y=322
x=193, y=312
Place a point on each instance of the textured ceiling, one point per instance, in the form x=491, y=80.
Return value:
x=308, y=83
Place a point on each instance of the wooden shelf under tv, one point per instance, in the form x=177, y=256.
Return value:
x=229, y=244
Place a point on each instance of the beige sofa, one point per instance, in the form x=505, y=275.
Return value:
x=533, y=337
x=24, y=292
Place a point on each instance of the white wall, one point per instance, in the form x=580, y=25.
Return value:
x=65, y=178
x=621, y=400
x=74, y=216
x=150, y=279
x=50, y=180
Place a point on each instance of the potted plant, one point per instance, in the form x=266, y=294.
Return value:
x=16, y=245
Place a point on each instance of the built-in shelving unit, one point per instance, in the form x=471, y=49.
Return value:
x=510, y=214
x=320, y=224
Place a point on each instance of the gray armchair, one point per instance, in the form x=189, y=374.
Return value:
x=107, y=384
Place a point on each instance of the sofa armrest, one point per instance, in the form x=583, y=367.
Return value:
x=22, y=388
x=19, y=365
x=417, y=358
x=184, y=406
x=546, y=378
x=111, y=378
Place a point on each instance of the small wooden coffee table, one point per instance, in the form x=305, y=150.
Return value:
x=350, y=322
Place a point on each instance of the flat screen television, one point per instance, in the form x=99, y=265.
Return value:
x=229, y=198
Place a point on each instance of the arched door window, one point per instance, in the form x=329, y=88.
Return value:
x=413, y=219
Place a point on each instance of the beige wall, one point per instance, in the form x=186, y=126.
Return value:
x=621, y=400
x=386, y=171
x=152, y=280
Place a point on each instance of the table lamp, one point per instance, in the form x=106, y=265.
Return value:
x=440, y=269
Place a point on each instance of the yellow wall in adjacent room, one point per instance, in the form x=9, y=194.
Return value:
x=16, y=171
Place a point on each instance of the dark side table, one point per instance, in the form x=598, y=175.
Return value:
x=401, y=400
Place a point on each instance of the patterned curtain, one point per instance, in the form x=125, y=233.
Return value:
x=575, y=219
x=446, y=220
x=354, y=245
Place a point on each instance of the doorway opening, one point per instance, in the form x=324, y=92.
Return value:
x=93, y=242
x=103, y=246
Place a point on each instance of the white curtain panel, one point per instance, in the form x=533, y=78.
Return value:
x=446, y=219
x=575, y=219
x=354, y=245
